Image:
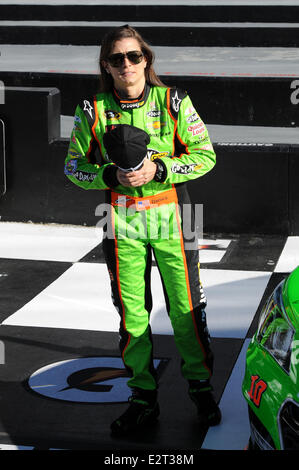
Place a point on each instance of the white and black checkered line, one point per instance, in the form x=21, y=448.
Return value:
x=244, y=252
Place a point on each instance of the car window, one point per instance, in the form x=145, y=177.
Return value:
x=274, y=333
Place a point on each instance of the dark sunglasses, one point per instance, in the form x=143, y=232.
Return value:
x=116, y=60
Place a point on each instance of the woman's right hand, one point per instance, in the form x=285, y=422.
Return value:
x=139, y=177
x=123, y=177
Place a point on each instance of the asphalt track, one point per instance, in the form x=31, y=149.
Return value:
x=59, y=329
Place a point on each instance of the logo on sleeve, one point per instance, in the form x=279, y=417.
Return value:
x=176, y=101
x=185, y=169
x=196, y=129
x=88, y=108
x=194, y=117
x=71, y=167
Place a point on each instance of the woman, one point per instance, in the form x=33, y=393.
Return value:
x=174, y=148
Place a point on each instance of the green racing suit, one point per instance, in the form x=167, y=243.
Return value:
x=149, y=219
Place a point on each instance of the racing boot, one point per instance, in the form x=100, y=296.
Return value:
x=200, y=392
x=143, y=411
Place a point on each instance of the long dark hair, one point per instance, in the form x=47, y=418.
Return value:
x=126, y=31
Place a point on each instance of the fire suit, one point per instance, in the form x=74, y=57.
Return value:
x=149, y=219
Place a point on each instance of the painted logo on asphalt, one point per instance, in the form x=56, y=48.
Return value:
x=84, y=380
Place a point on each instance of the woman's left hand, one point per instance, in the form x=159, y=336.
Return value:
x=139, y=177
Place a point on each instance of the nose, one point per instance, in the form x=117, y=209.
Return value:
x=126, y=62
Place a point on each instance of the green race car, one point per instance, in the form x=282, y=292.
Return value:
x=271, y=381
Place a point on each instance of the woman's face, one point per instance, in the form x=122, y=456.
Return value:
x=128, y=74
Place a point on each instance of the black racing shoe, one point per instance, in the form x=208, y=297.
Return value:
x=208, y=412
x=142, y=412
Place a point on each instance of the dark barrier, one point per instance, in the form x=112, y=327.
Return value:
x=233, y=100
x=30, y=117
x=247, y=191
x=142, y=12
x=205, y=35
x=294, y=190
x=37, y=189
x=252, y=189
x=2, y=159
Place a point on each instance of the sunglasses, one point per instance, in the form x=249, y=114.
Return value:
x=116, y=60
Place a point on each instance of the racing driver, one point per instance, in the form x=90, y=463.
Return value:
x=141, y=141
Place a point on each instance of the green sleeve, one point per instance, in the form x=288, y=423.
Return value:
x=78, y=165
x=195, y=154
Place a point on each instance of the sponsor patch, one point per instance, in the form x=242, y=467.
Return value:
x=71, y=167
x=152, y=154
x=155, y=124
x=206, y=147
x=131, y=105
x=84, y=176
x=76, y=128
x=110, y=114
x=185, y=169
x=75, y=154
x=194, y=117
x=143, y=204
x=154, y=113
x=196, y=129
x=189, y=110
